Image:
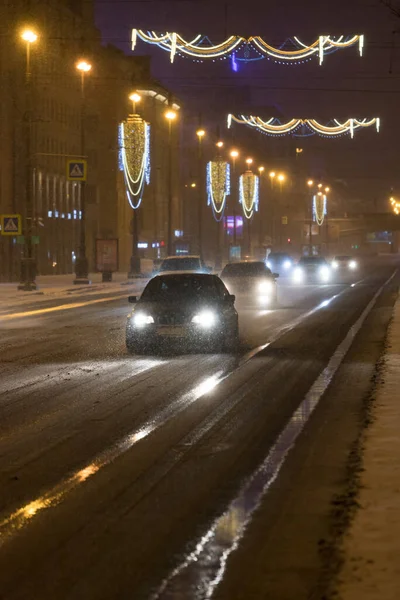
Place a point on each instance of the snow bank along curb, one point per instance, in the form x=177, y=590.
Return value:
x=372, y=548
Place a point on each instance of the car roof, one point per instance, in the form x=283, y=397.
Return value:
x=182, y=257
x=171, y=274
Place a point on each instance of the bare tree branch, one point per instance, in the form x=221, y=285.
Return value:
x=395, y=11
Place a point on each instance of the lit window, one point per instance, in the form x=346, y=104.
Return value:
x=50, y=214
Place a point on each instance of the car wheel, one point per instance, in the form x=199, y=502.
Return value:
x=231, y=343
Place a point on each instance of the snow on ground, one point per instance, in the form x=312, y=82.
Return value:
x=372, y=548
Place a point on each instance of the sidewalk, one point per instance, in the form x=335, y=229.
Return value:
x=62, y=286
x=371, y=569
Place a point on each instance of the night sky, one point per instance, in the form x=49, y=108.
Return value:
x=345, y=86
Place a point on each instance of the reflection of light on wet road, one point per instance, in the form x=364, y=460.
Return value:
x=199, y=574
x=22, y=516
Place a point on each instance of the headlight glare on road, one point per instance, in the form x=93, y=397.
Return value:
x=324, y=273
x=205, y=319
x=298, y=275
x=140, y=319
x=353, y=265
x=287, y=264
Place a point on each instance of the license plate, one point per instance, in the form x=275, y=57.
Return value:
x=171, y=331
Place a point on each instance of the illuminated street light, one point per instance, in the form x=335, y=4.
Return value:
x=310, y=183
x=170, y=115
x=220, y=144
x=81, y=262
x=29, y=36
x=135, y=98
x=234, y=155
x=193, y=185
x=320, y=185
x=281, y=178
x=200, y=133
x=249, y=161
x=261, y=170
x=28, y=264
x=327, y=190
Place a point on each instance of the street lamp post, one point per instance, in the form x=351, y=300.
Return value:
x=220, y=223
x=272, y=176
x=310, y=184
x=281, y=178
x=81, y=263
x=170, y=115
x=261, y=209
x=135, y=267
x=200, y=135
x=234, y=155
x=249, y=162
x=327, y=190
x=28, y=265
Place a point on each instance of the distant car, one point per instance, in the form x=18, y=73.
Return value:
x=280, y=262
x=344, y=262
x=253, y=279
x=313, y=269
x=192, y=309
x=183, y=263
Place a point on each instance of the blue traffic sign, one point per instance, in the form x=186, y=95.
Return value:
x=76, y=170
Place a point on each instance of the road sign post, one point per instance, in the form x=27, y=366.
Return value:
x=77, y=171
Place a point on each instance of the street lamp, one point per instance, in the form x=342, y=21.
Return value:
x=220, y=144
x=170, y=115
x=261, y=170
x=272, y=176
x=200, y=135
x=81, y=263
x=135, y=98
x=28, y=265
x=327, y=190
x=234, y=154
x=249, y=162
x=310, y=183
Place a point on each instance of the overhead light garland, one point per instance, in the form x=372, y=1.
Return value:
x=253, y=48
x=249, y=185
x=218, y=186
x=134, y=157
x=275, y=127
x=320, y=208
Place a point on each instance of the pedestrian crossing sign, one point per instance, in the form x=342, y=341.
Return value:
x=11, y=225
x=76, y=170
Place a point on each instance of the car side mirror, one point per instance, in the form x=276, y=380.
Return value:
x=231, y=299
x=132, y=299
x=275, y=275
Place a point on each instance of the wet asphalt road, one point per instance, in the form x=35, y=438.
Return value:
x=113, y=467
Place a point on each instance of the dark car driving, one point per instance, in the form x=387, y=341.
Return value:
x=280, y=262
x=252, y=279
x=193, y=309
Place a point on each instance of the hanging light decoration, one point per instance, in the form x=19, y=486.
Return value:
x=319, y=208
x=218, y=186
x=134, y=157
x=249, y=185
x=334, y=128
x=253, y=48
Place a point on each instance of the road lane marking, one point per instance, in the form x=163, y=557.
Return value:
x=197, y=571
x=44, y=311
x=22, y=516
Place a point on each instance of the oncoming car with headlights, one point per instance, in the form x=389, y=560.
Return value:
x=251, y=279
x=192, y=309
x=280, y=262
x=312, y=269
x=344, y=263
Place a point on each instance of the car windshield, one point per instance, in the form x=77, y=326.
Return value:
x=180, y=264
x=181, y=287
x=256, y=269
x=312, y=260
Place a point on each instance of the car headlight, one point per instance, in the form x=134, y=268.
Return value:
x=265, y=287
x=298, y=275
x=335, y=264
x=269, y=264
x=205, y=319
x=140, y=319
x=324, y=273
x=287, y=264
x=352, y=265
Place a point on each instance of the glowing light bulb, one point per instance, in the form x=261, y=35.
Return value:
x=84, y=66
x=29, y=36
